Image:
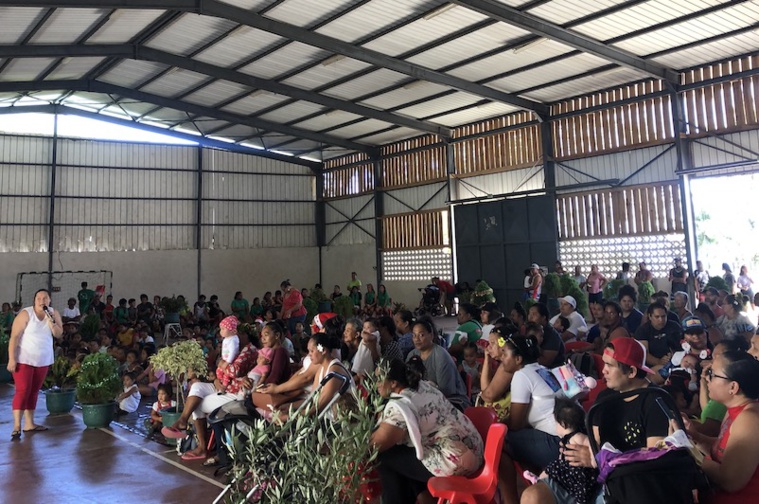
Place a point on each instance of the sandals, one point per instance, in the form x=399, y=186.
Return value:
x=211, y=462
x=37, y=428
x=15, y=435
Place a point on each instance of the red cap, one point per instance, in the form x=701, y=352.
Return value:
x=320, y=320
x=629, y=351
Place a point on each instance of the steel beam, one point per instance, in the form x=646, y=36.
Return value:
x=223, y=10
x=103, y=87
x=551, y=31
x=148, y=54
x=208, y=142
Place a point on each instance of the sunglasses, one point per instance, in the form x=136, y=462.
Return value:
x=711, y=374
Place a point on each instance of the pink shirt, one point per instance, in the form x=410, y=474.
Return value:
x=594, y=283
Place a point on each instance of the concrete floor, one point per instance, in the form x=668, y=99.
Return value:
x=71, y=464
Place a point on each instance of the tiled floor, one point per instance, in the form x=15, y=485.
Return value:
x=70, y=464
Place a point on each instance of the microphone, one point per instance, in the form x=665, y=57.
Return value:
x=47, y=312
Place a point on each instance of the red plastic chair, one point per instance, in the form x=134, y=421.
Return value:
x=479, y=489
x=482, y=418
x=578, y=346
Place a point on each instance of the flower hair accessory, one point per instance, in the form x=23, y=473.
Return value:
x=501, y=341
x=320, y=347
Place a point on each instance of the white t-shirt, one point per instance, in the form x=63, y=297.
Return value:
x=158, y=407
x=230, y=347
x=71, y=312
x=131, y=403
x=362, y=361
x=576, y=323
x=35, y=347
x=527, y=387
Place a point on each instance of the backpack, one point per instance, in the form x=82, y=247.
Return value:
x=188, y=443
x=584, y=363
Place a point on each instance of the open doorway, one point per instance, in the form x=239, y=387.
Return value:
x=727, y=228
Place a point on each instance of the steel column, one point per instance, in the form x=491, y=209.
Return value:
x=51, y=218
x=379, y=212
x=199, y=218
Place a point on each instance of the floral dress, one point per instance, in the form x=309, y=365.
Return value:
x=451, y=443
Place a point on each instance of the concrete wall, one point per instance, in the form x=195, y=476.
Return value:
x=340, y=260
x=175, y=272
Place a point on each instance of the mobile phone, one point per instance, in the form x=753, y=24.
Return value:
x=670, y=414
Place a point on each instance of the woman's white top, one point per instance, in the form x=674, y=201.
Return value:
x=528, y=387
x=35, y=346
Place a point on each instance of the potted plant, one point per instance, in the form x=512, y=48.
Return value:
x=308, y=460
x=552, y=290
x=324, y=305
x=312, y=308
x=172, y=306
x=645, y=291
x=176, y=360
x=611, y=290
x=97, y=386
x=90, y=327
x=5, y=375
x=344, y=307
x=60, y=391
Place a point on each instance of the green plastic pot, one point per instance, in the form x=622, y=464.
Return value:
x=169, y=416
x=96, y=416
x=171, y=318
x=60, y=401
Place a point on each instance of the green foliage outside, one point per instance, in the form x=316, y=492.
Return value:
x=306, y=460
x=718, y=283
x=98, y=381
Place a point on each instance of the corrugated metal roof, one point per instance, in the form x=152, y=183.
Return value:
x=16, y=22
x=432, y=33
x=65, y=26
x=73, y=68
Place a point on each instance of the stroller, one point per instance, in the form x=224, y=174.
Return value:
x=674, y=477
x=430, y=303
x=239, y=419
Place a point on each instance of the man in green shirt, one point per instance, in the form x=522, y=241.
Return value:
x=85, y=297
x=355, y=282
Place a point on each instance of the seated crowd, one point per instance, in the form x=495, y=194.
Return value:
x=705, y=359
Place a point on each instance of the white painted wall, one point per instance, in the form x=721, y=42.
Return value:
x=339, y=261
x=175, y=271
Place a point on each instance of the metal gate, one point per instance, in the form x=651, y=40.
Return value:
x=496, y=241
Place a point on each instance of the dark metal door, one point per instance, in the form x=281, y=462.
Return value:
x=496, y=241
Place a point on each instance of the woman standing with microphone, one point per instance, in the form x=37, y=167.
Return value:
x=30, y=354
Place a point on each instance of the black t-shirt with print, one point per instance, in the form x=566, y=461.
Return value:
x=628, y=424
x=660, y=341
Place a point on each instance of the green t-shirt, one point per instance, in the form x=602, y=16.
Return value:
x=85, y=297
x=468, y=332
x=383, y=299
x=122, y=314
x=369, y=298
x=354, y=283
x=713, y=411
x=256, y=310
x=240, y=308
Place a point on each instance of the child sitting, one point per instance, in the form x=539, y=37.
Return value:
x=471, y=367
x=129, y=400
x=259, y=373
x=164, y=402
x=579, y=482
